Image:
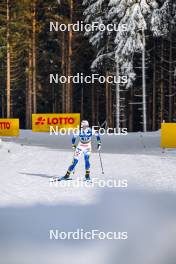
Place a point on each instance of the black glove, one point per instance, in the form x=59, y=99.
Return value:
x=73, y=146
x=99, y=146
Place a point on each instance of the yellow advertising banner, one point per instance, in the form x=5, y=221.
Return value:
x=43, y=122
x=168, y=135
x=9, y=127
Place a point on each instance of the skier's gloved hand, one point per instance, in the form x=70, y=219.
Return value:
x=99, y=146
x=73, y=146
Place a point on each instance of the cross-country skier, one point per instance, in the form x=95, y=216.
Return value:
x=83, y=147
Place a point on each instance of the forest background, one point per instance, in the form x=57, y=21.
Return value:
x=145, y=53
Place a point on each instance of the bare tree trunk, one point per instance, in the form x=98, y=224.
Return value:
x=82, y=101
x=130, y=122
x=124, y=110
x=174, y=98
x=94, y=97
x=162, y=85
x=170, y=80
x=107, y=101
x=29, y=89
x=2, y=105
x=53, y=99
x=110, y=108
x=144, y=85
x=154, y=90
x=117, y=97
x=63, y=70
x=34, y=56
x=97, y=98
x=26, y=105
x=69, y=85
x=8, y=84
x=92, y=104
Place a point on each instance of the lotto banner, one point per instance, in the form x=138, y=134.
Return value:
x=168, y=135
x=9, y=127
x=43, y=122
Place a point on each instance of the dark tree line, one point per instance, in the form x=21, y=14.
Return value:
x=29, y=52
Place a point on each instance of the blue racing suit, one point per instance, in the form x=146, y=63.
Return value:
x=83, y=147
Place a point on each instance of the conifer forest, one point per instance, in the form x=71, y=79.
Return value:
x=40, y=41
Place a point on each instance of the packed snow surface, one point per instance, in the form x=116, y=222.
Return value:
x=30, y=205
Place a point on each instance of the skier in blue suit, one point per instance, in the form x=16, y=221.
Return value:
x=83, y=147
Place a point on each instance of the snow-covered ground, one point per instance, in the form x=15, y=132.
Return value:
x=30, y=206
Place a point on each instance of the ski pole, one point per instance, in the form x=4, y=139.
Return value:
x=74, y=168
x=101, y=162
